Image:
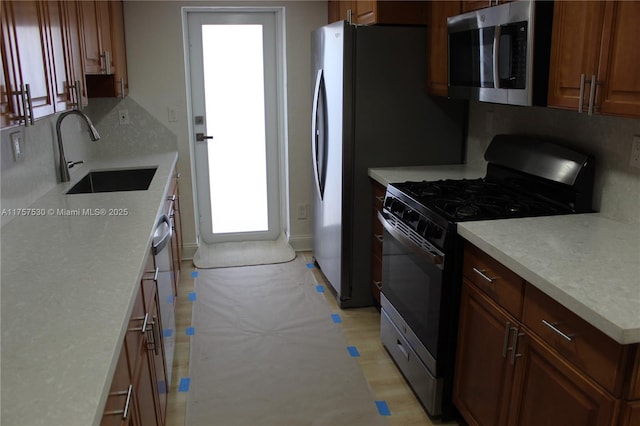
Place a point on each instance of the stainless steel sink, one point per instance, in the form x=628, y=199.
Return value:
x=114, y=180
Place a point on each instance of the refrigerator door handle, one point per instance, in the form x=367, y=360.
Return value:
x=318, y=134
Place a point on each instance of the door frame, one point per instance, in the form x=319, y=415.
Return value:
x=281, y=101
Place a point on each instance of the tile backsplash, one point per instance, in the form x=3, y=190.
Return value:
x=28, y=178
x=607, y=139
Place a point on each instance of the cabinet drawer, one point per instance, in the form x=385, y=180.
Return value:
x=498, y=282
x=589, y=349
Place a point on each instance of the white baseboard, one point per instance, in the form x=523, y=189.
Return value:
x=301, y=242
x=188, y=250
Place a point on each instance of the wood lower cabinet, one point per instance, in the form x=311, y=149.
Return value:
x=538, y=365
x=549, y=389
x=593, y=44
x=138, y=393
x=484, y=375
x=378, y=192
x=173, y=211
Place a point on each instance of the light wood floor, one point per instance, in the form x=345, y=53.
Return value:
x=361, y=328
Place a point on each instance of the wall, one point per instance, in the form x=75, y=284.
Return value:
x=156, y=69
x=608, y=139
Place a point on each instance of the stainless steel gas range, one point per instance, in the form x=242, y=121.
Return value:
x=422, y=254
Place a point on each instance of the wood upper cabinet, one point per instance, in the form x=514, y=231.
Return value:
x=437, y=72
x=365, y=12
x=26, y=53
x=40, y=48
x=538, y=364
x=103, y=47
x=594, y=42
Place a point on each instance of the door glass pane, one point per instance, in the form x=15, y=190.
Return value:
x=235, y=117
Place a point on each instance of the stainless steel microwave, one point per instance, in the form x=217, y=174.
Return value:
x=501, y=54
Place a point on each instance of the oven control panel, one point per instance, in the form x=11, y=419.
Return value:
x=415, y=219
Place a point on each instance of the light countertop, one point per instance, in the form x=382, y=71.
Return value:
x=68, y=281
x=387, y=175
x=588, y=263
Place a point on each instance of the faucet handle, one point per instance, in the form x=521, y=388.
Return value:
x=70, y=164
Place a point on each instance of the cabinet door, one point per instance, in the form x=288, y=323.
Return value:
x=619, y=93
x=119, y=53
x=484, y=374
x=73, y=46
x=548, y=390
x=437, y=73
x=338, y=10
x=119, y=398
x=365, y=12
x=62, y=76
x=27, y=44
x=95, y=35
x=575, y=50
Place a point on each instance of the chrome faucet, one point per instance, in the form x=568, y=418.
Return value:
x=64, y=165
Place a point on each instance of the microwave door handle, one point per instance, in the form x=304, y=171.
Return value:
x=496, y=57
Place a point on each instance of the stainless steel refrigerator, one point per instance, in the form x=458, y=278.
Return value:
x=370, y=109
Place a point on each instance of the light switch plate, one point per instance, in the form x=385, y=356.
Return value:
x=16, y=145
x=635, y=152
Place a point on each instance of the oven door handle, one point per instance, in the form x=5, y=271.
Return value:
x=435, y=259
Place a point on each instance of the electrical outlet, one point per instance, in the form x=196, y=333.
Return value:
x=123, y=116
x=302, y=211
x=16, y=145
x=172, y=114
x=635, y=152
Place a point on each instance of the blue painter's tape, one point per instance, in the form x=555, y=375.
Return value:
x=194, y=274
x=170, y=299
x=336, y=318
x=353, y=351
x=167, y=332
x=310, y=265
x=185, y=382
x=192, y=296
x=190, y=331
x=162, y=386
x=383, y=408
x=319, y=289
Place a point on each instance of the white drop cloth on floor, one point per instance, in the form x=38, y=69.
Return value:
x=266, y=352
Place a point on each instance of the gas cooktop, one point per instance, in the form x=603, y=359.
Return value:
x=477, y=199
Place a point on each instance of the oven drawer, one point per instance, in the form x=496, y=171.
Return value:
x=589, y=349
x=498, y=282
x=427, y=387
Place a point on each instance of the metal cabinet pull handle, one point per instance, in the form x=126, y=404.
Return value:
x=379, y=237
x=153, y=337
x=155, y=275
x=127, y=404
x=481, y=272
x=592, y=93
x=378, y=284
x=514, y=345
x=106, y=69
x=27, y=105
x=380, y=198
x=505, y=343
x=552, y=326
x=581, y=100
